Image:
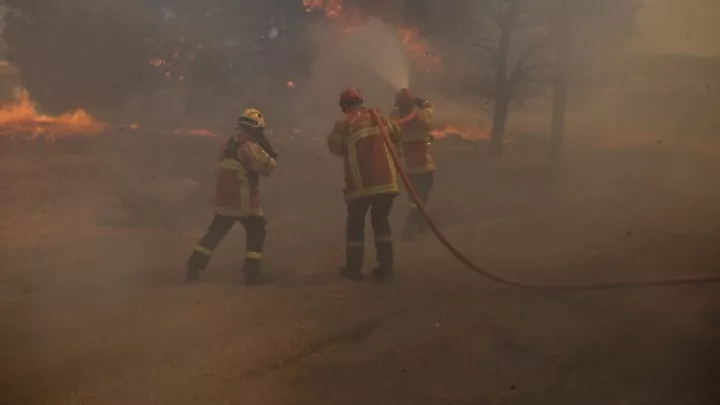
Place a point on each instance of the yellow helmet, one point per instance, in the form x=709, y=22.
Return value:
x=252, y=118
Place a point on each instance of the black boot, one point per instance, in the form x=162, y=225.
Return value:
x=354, y=256
x=195, y=264
x=385, y=258
x=252, y=271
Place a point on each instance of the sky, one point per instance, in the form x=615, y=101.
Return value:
x=680, y=27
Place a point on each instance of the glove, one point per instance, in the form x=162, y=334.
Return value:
x=265, y=144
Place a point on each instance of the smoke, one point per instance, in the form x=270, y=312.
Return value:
x=376, y=46
x=369, y=57
x=690, y=27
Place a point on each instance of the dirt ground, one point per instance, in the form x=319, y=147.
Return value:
x=95, y=234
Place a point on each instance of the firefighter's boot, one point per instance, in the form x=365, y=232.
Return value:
x=354, y=255
x=252, y=272
x=385, y=257
x=196, y=263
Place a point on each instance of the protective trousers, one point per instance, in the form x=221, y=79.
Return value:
x=423, y=185
x=220, y=226
x=380, y=207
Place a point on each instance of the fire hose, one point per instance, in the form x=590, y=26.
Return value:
x=512, y=283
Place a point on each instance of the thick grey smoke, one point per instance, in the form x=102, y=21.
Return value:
x=679, y=27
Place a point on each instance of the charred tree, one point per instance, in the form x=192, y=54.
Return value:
x=513, y=72
x=503, y=86
x=106, y=55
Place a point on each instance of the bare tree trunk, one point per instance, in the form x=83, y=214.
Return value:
x=500, y=117
x=502, y=81
x=560, y=92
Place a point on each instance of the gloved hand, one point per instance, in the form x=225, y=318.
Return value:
x=267, y=147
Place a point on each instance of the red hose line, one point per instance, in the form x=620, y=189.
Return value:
x=511, y=283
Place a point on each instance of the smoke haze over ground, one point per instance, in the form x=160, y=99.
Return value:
x=98, y=220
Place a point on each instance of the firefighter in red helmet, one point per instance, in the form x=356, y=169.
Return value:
x=370, y=183
x=245, y=157
x=414, y=117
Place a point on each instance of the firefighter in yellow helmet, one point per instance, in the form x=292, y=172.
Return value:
x=244, y=157
x=414, y=117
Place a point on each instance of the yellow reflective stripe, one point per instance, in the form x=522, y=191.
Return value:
x=426, y=115
x=363, y=133
x=350, y=143
x=355, y=244
x=203, y=250
x=263, y=163
x=354, y=166
x=391, y=188
x=254, y=255
x=391, y=162
x=232, y=164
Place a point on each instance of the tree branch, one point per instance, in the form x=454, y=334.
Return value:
x=519, y=73
x=523, y=66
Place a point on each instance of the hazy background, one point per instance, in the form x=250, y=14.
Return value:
x=107, y=177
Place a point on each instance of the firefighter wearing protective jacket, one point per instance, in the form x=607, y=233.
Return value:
x=414, y=117
x=370, y=182
x=243, y=159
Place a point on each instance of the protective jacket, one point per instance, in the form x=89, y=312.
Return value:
x=416, y=137
x=242, y=162
x=369, y=169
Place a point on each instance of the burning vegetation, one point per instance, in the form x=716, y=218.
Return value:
x=465, y=133
x=332, y=8
x=21, y=118
x=417, y=48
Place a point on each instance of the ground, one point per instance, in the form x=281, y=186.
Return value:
x=96, y=233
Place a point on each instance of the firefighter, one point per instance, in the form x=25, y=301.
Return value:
x=414, y=117
x=243, y=159
x=370, y=183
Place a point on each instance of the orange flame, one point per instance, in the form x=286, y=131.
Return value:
x=418, y=48
x=22, y=118
x=195, y=132
x=157, y=62
x=332, y=8
x=469, y=134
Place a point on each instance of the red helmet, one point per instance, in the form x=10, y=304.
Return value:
x=350, y=97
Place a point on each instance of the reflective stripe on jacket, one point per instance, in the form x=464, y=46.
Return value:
x=416, y=138
x=238, y=177
x=369, y=169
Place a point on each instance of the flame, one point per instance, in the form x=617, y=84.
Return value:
x=332, y=8
x=22, y=118
x=157, y=62
x=466, y=133
x=195, y=132
x=417, y=48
